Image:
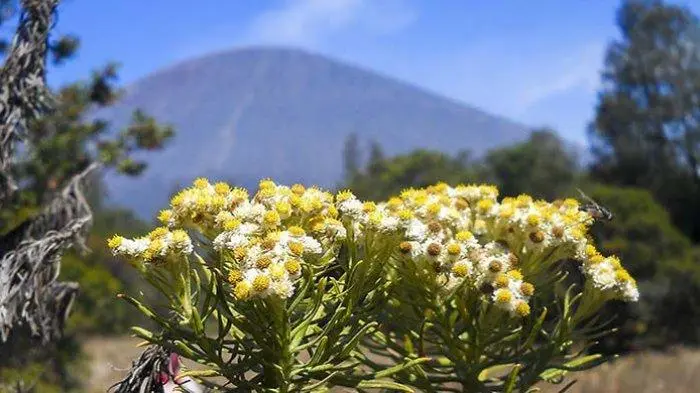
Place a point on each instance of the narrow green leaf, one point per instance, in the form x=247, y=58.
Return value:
x=352, y=343
x=400, y=367
x=512, y=379
x=535, y=329
x=378, y=384
x=494, y=371
x=318, y=353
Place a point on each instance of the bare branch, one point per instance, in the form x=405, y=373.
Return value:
x=29, y=292
x=23, y=92
x=146, y=371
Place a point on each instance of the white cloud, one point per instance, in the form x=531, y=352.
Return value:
x=313, y=22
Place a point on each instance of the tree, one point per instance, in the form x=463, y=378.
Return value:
x=661, y=258
x=542, y=166
x=48, y=150
x=351, y=157
x=383, y=177
x=647, y=126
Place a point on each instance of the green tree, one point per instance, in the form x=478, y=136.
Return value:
x=661, y=258
x=647, y=126
x=383, y=177
x=351, y=157
x=542, y=166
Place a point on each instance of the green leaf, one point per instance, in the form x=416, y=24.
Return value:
x=400, y=367
x=379, y=384
x=512, y=378
x=495, y=371
x=535, y=329
x=143, y=333
x=352, y=343
x=318, y=353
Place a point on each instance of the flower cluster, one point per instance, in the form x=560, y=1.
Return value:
x=457, y=236
x=157, y=246
x=464, y=236
x=263, y=241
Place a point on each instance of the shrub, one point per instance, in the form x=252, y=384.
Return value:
x=296, y=289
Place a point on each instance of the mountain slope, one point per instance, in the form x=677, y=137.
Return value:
x=283, y=113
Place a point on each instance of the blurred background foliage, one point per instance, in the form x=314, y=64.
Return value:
x=56, y=148
x=644, y=166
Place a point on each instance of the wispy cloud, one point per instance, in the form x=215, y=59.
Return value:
x=512, y=79
x=577, y=69
x=312, y=22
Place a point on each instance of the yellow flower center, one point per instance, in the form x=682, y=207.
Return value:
x=460, y=269
x=454, y=249
x=261, y=283
x=231, y=224
x=240, y=252
x=522, y=309
x=201, y=183
x=515, y=275
x=293, y=266
x=235, y=276
x=296, y=248
x=242, y=290
x=527, y=289
x=501, y=281
x=503, y=296
x=296, y=231
x=263, y=262
x=434, y=249
x=463, y=236
x=222, y=188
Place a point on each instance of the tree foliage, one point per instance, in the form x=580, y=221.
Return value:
x=382, y=177
x=647, y=126
x=541, y=166
x=663, y=261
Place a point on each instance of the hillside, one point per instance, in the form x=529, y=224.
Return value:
x=245, y=114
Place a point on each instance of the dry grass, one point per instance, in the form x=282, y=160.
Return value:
x=677, y=371
x=110, y=360
x=674, y=372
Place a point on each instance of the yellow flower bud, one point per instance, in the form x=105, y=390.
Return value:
x=115, y=241
x=201, y=183
x=165, y=216
x=222, y=188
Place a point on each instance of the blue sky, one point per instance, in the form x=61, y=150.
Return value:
x=533, y=61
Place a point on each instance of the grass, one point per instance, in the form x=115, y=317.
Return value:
x=671, y=372
x=675, y=371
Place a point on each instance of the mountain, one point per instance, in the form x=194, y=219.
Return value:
x=246, y=114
